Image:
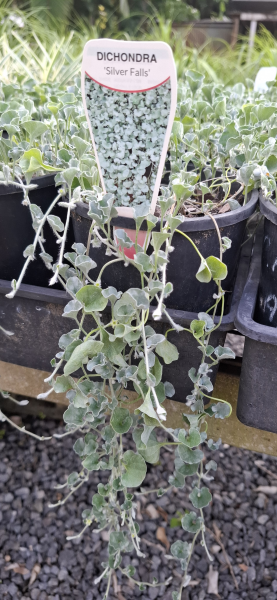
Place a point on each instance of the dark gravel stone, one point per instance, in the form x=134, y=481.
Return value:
x=33, y=534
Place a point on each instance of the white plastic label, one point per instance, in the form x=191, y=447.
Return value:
x=129, y=92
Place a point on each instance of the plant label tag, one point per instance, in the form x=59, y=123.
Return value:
x=129, y=93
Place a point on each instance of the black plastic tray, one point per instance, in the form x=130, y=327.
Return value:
x=35, y=317
x=257, y=400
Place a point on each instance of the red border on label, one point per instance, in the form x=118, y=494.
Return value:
x=127, y=91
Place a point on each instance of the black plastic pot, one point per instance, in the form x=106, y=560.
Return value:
x=188, y=293
x=35, y=317
x=16, y=231
x=257, y=402
x=267, y=300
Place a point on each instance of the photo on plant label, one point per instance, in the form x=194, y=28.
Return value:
x=129, y=131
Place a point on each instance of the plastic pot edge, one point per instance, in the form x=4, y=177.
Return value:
x=244, y=321
x=43, y=181
x=179, y=316
x=194, y=224
x=268, y=209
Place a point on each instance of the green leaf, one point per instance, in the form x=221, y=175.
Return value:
x=222, y=352
x=211, y=465
x=85, y=264
x=121, y=420
x=197, y=328
x=271, y=164
x=200, y=497
x=181, y=189
x=71, y=309
x=135, y=469
x=143, y=261
x=167, y=351
x=195, y=80
x=74, y=416
x=169, y=389
x=108, y=433
x=218, y=269
x=177, y=130
x=180, y=550
x=191, y=522
x=34, y=128
x=140, y=298
x=209, y=324
x=245, y=172
x=32, y=161
x=85, y=350
x=98, y=501
x=92, y=298
x=192, y=457
x=72, y=478
x=79, y=446
x=191, y=439
x=188, y=123
x=185, y=470
x=147, y=407
x=149, y=451
x=204, y=273
x=111, y=293
x=220, y=108
x=69, y=174
x=118, y=542
x=80, y=145
x=55, y=222
x=103, y=490
x=91, y=462
x=158, y=239
x=265, y=112
x=123, y=239
x=63, y=384
x=112, y=350
x=221, y=410
x=234, y=204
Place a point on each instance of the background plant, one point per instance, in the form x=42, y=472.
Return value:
x=28, y=49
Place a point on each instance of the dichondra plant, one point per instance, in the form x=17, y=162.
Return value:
x=114, y=343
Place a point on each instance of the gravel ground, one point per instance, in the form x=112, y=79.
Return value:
x=38, y=563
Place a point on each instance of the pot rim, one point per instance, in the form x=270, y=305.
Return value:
x=268, y=209
x=43, y=181
x=189, y=224
x=244, y=319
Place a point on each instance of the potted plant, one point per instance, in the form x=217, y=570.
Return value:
x=120, y=339
x=209, y=137
x=40, y=136
x=101, y=356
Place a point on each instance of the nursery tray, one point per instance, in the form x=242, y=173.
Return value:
x=34, y=315
x=257, y=402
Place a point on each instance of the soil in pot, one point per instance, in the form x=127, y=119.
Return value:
x=257, y=405
x=16, y=231
x=188, y=293
x=267, y=296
